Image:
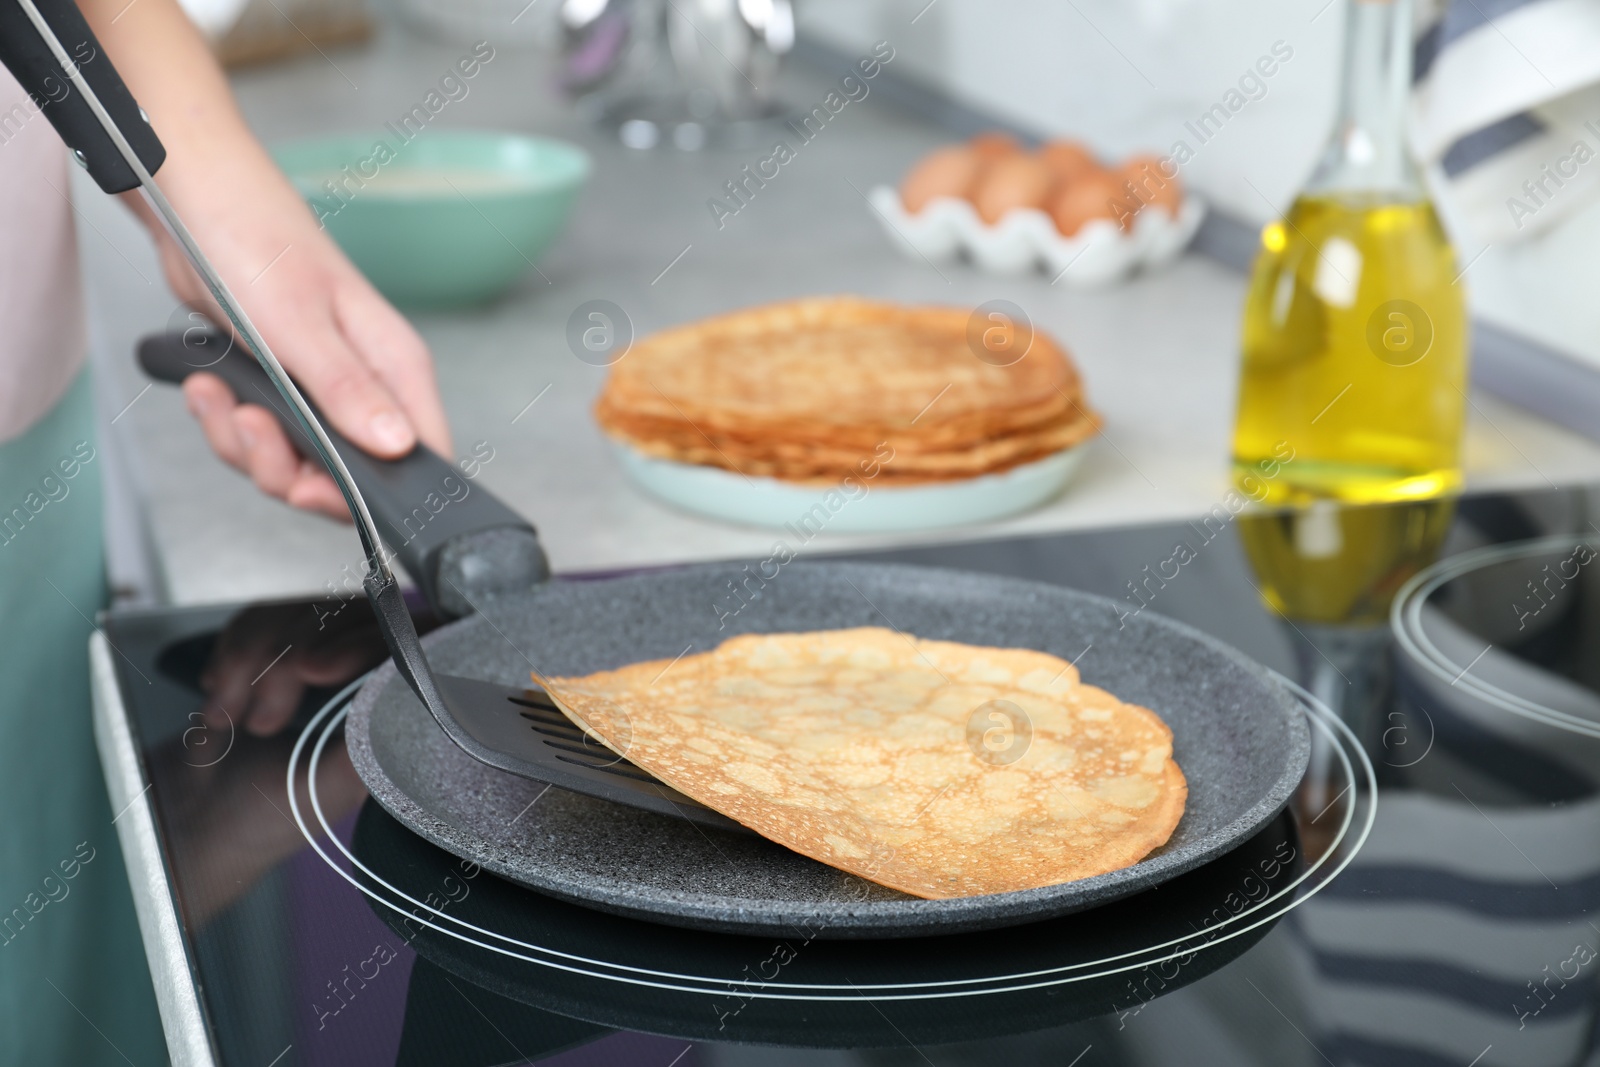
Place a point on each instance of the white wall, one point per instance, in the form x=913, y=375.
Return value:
x=1125, y=75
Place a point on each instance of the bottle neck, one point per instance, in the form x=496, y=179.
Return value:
x=1367, y=152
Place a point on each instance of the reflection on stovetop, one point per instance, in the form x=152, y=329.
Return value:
x=1464, y=932
x=1107, y=942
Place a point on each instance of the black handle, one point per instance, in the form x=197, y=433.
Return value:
x=457, y=540
x=25, y=52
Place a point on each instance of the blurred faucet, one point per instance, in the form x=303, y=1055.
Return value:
x=677, y=73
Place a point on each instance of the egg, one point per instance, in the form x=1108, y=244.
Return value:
x=1154, y=181
x=994, y=146
x=1096, y=195
x=950, y=171
x=1067, y=160
x=1010, y=183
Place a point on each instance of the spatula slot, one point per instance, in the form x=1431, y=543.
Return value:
x=556, y=729
x=534, y=698
x=544, y=715
x=621, y=770
x=594, y=751
x=539, y=722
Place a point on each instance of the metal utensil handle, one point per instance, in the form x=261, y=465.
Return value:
x=399, y=632
x=44, y=71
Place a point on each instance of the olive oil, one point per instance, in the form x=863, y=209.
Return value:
x=1353, y=358
x=1354, y=353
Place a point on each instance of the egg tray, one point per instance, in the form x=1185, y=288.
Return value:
x=1027, y=239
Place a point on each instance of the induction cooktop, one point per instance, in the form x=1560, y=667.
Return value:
x=1429, y=897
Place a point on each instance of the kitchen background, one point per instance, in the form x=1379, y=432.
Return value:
x=1128, y=76
x=1160, y=355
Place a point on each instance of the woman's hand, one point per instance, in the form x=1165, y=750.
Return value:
x=268, y=655
x=363, y=364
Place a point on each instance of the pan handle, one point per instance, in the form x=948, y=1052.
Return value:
x=33, y=62
x=458, y=541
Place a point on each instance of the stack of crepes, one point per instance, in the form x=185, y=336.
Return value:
x=816, y=390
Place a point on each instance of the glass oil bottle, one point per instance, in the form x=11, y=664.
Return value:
x=1354, y=356
x=1354, y=337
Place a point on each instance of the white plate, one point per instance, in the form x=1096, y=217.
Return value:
x=807, y=510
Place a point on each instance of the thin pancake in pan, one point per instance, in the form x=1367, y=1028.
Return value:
x=937, y=768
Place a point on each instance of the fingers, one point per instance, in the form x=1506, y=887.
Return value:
x=248, y=438
x=383, y=340
x=212, y=403
x=314, y=490
x=268, y=458
x=361, y=362
x=275, y=699
x=227, y=688
x=344, y=386
x=278, y=470
x=337, y=660
x=339, y=787
x=266, y=657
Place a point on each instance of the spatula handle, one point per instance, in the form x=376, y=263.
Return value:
x=40, y=71
x=458, y=541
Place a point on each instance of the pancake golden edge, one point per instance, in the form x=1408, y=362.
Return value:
x=836, y=360
x=822, y=465
x=804, y=390
x=866, y=749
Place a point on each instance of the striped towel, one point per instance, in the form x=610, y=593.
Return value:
x=1447, y=942
x=1466, y=930
x=1506, y=110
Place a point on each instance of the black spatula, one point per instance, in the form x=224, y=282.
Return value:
x=111, y=137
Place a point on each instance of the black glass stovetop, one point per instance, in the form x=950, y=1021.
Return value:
x=1429, y=897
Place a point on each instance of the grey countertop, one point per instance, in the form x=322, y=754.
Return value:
x=1159, y=354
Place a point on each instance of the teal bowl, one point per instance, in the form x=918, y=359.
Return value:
x=439, y=218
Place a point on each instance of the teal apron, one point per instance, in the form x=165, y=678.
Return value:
x=74, y=985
